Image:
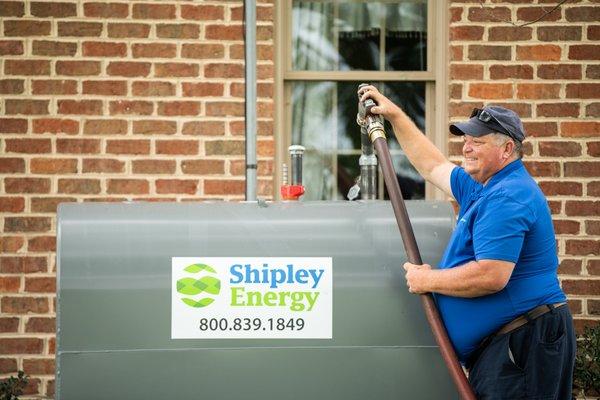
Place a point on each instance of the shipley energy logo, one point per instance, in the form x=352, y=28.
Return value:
x=203, y=288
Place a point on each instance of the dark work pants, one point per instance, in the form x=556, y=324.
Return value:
x=533, y=362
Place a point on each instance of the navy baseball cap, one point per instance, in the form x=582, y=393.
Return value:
x=491, y=119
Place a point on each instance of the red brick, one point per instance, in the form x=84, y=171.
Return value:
x=179, y=108
x=11, y=165
x=40, y=284
x=104, y=49
x=105, y=88
x=188, y=147
x=583, y=14
x=153, y=166
x=11, y=244
x=40, y=325
x=584, y=52
x=53, y=165
x=224, y=186
x=176, y=186
x=53, y=9
x=55, y=86
x=575, y=306
x=509, y=33
x=20, y=345
x=224, y=32
x=79, y=186
x=123, y=107
x=468, y=32
x=20, y=265
x=128, y=186
x=10, y=284
x=202, y=89
x=128, y=147
x=128, y=30
x=264, y=52
x=203, y=167
x=103, y=165
x=593, y=149
x=558, y=110
x=528, y=14
x=561, y=188
x=592, y=110
x=106, y=10
x=51, y=48
x=80, y=29
x=205, y=128
x=592, y=227
x=570, y=267
x=175, y=70
x=582, y=169
x=11, y=47
x=128, y=69
x=581, y=287
x=39, y=366
x=264, y=32
x=593, y=267
x=523, y=109
x=224, y=70
x=566, y=227
x=225, y=108
x=262, y=90
x=154, y=127
x=558, y=33
x=490, y=90
x=80, y=107
x=456, y=53
x=26, y=28
x=153, y=11
x=27, y=67
x=44, y=244
x=13, y=125
x=593, y=307
x=8, y=325
x=583, y=90
x=479, y=52
x=224, y=147
x=105, y=127
x=27, y=224
x=460, y=109
x=466, y=71
x=154, y=50
x=77, y=68
x=456, y=14
x=78, y=146
x=559, y=149
x=12, y=204
x=538, y=90
x=580, y=129
x=202, y=12
x=178, y=31
x=238, y=167
x=11, y=86
x=547, y=52
x=582, y=208
x=559, y=71
x=54, y=125
x=263, y=13
x=28, y=146
x=26, y=107
x=488, y=14
x=160, y=89
x=202, y=50
x=540, y=168
x=11, y=9
x=511, y=72
x=48, y=204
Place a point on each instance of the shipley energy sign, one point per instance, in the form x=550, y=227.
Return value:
x=251, y=297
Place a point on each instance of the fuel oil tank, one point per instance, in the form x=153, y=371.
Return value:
x=206, y=301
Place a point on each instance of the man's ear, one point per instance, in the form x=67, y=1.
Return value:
x=508, y=150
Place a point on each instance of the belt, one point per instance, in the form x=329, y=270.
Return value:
x=528, y=317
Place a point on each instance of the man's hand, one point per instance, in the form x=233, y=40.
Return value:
x=384, y=107
x=416, y=277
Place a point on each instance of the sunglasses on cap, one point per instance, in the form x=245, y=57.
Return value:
x=486, y=117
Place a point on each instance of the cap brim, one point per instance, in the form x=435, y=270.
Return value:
x=472, y=127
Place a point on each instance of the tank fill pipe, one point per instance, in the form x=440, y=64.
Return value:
x=376, y=133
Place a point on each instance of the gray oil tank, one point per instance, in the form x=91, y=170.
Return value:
x=116, y=304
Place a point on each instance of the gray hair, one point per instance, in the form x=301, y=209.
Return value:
x=501, y=139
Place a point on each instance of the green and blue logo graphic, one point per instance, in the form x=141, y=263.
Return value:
x=204, y=289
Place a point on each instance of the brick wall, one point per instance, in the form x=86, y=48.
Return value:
x=109, y=101
x=549, y=73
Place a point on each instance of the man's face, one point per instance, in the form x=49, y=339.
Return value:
x=483, y=157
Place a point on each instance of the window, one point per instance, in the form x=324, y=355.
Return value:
x=325, y=50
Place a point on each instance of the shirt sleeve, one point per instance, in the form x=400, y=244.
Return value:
x=462, y=185
x=499, y=229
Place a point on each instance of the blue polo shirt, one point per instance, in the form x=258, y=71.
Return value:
x=507, y=219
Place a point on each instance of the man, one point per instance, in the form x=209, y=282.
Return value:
x=496, y=286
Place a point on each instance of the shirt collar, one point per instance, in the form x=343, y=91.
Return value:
x=504, y=172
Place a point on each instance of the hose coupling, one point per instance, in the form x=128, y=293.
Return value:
x=376, y=130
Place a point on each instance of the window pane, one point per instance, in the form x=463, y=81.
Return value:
x=324, y=121
x=359, y=35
